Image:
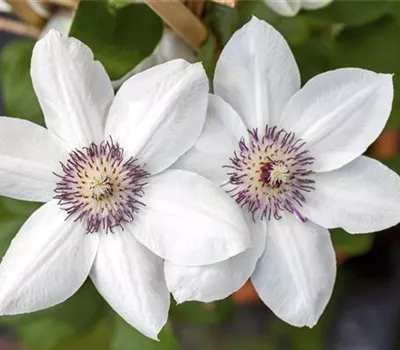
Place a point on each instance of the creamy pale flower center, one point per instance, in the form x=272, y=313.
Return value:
x=271, y=173
x=100, y=188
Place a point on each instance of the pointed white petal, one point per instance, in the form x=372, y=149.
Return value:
x=339, y=114
x=224, y=127
x=286, y=8
x=216, y=281
x=29, y=154
x=131, y=280
x=189, y=220
x=46, y=263
x=296, y=274
x=257, y=74
x=74, y=91
x=314, y=4
x=158, y=114
x=363, y=196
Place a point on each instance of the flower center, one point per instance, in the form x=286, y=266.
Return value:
x=101, y=188
x=271, y=173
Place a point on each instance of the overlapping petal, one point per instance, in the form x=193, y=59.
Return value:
x=29, y=154
x=314, y=4
x=286, y=8
x=257, y=74
x=74, y=91
x=131, y=280
x=296, y=274
x=46, y=263
x=158, y=114
x=363, y=196
x=339, y=114
x=190, y=221
x=223, y=126
x=216, y=281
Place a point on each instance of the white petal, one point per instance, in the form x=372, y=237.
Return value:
x=189, y=220
x=314, y=4
x=46, y=263
x=29, y=154
x=131, y=280
x=296, y=274
x=223, y=127
x=60, y=21
x=363, y=196
x=74, y=91
x=287, y=8
x=216, y=281
x=159, y=114
x=339, y=114
x=257, y=74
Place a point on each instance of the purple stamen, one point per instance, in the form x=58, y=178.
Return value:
x=271, y=173
x=100, y=188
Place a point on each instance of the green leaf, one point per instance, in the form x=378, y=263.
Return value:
x=119, y=37
x=375, y=47
x=203, y=313
x=351, y=244
x=354, y=13
x=208, y=56
x=13, y=213
x=98, y=337
x=125, y=337
x=223, y=21
x=46, y=329
x=19, y=97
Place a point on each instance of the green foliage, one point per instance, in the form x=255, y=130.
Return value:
x=354, y=13
x=126, y=338
x=17, y=91
x=203, y=313
x=120, y=37
x=357, y=47
x=351, y=244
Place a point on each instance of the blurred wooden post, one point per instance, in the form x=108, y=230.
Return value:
x=22, y=9
x=181, y=20
x=387, y=145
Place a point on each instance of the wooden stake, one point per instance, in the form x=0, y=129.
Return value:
x=196, y=6
x=182, y=21
x=70, y=4
x=22, y=9
x=19, y=28
x=230, y=3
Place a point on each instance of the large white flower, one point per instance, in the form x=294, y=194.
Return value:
x=292, y=7
x=291, y=158
x=114, y=209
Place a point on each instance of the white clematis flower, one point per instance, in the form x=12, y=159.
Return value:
x=292, y=159
x=292, y=7
x=115, y=210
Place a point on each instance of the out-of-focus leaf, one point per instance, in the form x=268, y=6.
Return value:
x=46, y=329
x=97, y=338
x=203, y=313
x=119, y=37
x=18, y=207
x=223, y=21
x=127, y=338
x=355, y=12
x=375, y=46
x=350, y=244
x=393, y=164
x=208, y=56
x=313, y=57
x=13, y=214
x=18, y=95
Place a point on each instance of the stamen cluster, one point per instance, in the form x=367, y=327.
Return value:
x=100, y=188
x=271, y=173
